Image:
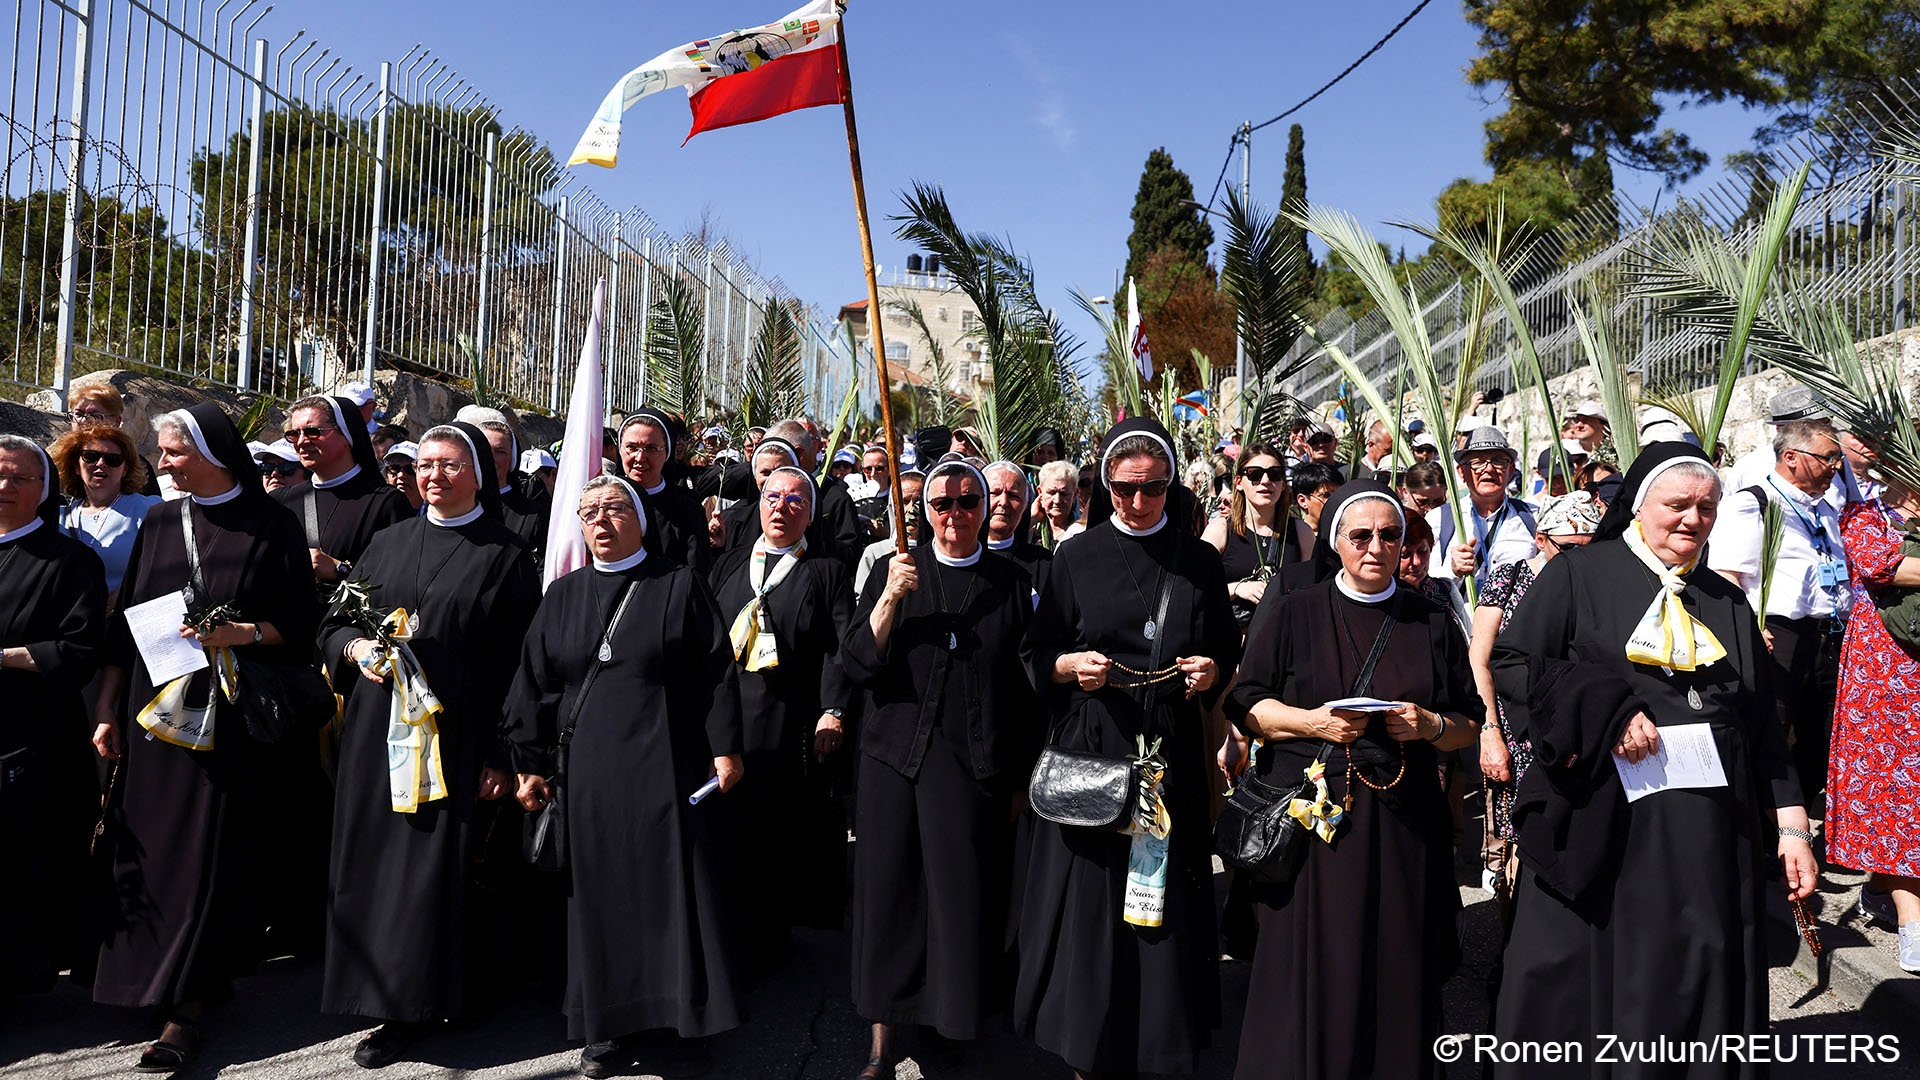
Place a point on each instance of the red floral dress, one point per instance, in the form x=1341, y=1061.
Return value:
x=1873, y=781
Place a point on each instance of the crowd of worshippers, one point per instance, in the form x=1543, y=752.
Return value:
x=387, y=748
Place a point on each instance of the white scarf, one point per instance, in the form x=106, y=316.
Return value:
x=752, y=633
x=414, y=774
x=1668, y=635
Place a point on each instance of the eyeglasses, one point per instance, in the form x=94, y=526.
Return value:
x=591, y=514
x=1570, y=541
x=1320, y=440
x=1258, y=474
x=1831, y=461
x=1363, y=538
x=1487, y=464
x=776, y=500
x=278, y=468
x=1152, y=489
x=93, y=417
x=1320, y=496
x=312, y=431
x=644, y=448
x=946, y=503
x=96, y=457
x=28, y=481
x=399, y=470
x=871, y=469
x=449, y=468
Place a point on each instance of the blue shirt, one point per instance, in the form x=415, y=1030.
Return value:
x=111, y=533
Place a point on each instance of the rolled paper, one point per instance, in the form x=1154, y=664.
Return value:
x=712, y=785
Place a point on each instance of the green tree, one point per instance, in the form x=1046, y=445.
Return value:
x=1162, y=217
x=1293, y=199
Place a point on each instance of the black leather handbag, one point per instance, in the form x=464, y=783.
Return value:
x=1092, y=791
x=1255, y=835
x=544, y=841
x=279, y=700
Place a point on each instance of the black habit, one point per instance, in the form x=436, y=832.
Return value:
x=835, y=531
x=1369, y=922
x=949, y=735
x=1680, y=905
x=1104, y=995
x=1031, y=557
x=786, y=819
x=187, y=827
x=397, y=923
x=650, y=943
x=342, y=518
x=676, y=526
x=53, y=601
x=526, y=510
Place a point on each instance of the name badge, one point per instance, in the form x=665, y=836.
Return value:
x=1831, y=574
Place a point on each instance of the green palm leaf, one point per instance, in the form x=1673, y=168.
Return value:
x=776, y=380
x=676, y=343
x=1595, y=325
x=1122, y=373
x=1260, y=271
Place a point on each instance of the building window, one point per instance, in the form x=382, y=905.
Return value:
x=897, y=351
x=941, y=314
x=969, y=321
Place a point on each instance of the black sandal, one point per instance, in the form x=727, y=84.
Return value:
x=879, y=1068
x=164, y=1056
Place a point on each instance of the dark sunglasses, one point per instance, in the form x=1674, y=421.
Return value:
x=946, y=503
x=1152, y=489
x=1261, y=474
x=399, y=470
x=278, y=468
x=1363, y=538
x=96, y=457
x=311, y=432
x=1320, y=440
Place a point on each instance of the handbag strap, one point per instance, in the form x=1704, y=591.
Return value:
x=1160, y=609
x=1364, y=681
x=594, y=666
x=193, y=549
x=313, y=519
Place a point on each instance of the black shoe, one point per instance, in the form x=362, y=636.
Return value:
x=603, y=1059
x=384, y=1044
x=686, y=1059
x=880, y=1068
x=171, y=1055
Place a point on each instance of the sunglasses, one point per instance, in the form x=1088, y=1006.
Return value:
x=1259, y=474
x=314, y=431
x=946, y=503
x=792, y=502
x=1320, y=440
x=1363, y=538
x=280, y=468
x=399, y=470
x=1152, y=489
x=96, y=457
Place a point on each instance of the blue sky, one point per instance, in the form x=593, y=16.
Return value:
x=1036, y=117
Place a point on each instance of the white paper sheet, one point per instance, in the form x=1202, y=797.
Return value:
x=1363, y=704
x=1687, y=758
x=155, y=626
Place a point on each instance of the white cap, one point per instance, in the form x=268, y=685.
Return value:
x=404, y=449
x=533, y=460
x=1425, y=438
x=280, y=448
x=357, y=392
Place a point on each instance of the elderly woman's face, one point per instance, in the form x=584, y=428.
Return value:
x=609, y=523
x=191, y=472
x=1368, y=539
x=1138, y=486
x=1678, y=515
x=765, y=464
x=448, y=480
x=786, y=508
x=955, y=507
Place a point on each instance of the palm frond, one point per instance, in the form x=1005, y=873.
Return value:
x=254, y=419
x=1675, y=398
x=1900, y=142
x=1352, y=243
x=1122, y=374
x=1594, y=322
x=476, y=371
x=776, y=381
x=939, y=371
x=1773, y=530
x=676, y=343
x=1704, y=282
x=1261, y=273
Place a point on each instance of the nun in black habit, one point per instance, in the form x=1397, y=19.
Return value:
x=455, y=587
x=1105, y=995
x=676, y=522
x=650, y=941
x=788, y=609
x=951, y=730
x=1009, y=524
x=186, y=828
x=525, y=510
x=1368, y=925
x=1644, y=920
x=53, y=601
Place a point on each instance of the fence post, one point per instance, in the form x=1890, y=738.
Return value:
x=646, y=319
x=611, y=346
x=706, y=333
x=480, y=317
x=250, y=249
x=379, y=216
x=559, y=297
x=726, y=335
x=70, y=215
x=1902, y=316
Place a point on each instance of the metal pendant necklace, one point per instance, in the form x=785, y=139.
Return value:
x=952, y=618
x=1149, y=629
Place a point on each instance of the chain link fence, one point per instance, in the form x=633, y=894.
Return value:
x=184, y=195
x=1853, y=243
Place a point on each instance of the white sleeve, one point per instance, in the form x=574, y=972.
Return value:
x=1734, y=546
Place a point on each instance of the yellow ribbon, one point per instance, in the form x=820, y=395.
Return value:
x=1668, y=635
x=751, y=635
x=170, y=719
x=1318, y=814
x=414, y=774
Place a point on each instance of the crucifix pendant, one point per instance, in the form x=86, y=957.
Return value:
x=1151, y=630
x=1693, y=699
x=1346, y=802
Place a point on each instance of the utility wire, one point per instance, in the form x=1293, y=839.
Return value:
x=1247, y=131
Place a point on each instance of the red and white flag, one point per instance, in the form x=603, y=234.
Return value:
x=1137, y=335
x=579, y=453
x=736, y=78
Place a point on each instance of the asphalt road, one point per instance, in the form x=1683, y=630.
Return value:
x=803, y=1028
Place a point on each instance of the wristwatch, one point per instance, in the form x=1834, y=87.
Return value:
x=257, y=636
x=342, y=570
x=837, y=714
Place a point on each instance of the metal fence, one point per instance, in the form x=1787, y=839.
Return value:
x=184, y=195
x=1853, y=242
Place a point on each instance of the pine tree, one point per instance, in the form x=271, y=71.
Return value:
x=1293, y=196
x=1161, y=217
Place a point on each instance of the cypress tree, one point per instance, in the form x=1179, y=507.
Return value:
x=1293, y=195
x=1162, y=220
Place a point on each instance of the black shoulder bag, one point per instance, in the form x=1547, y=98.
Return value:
x=545, y=839
x=276, y=699
x=1093, y=791
x=1255, y=835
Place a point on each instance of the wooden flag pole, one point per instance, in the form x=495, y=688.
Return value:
x=874, y=336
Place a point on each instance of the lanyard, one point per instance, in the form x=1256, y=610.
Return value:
x=1483, y=536
x=1816, y=531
